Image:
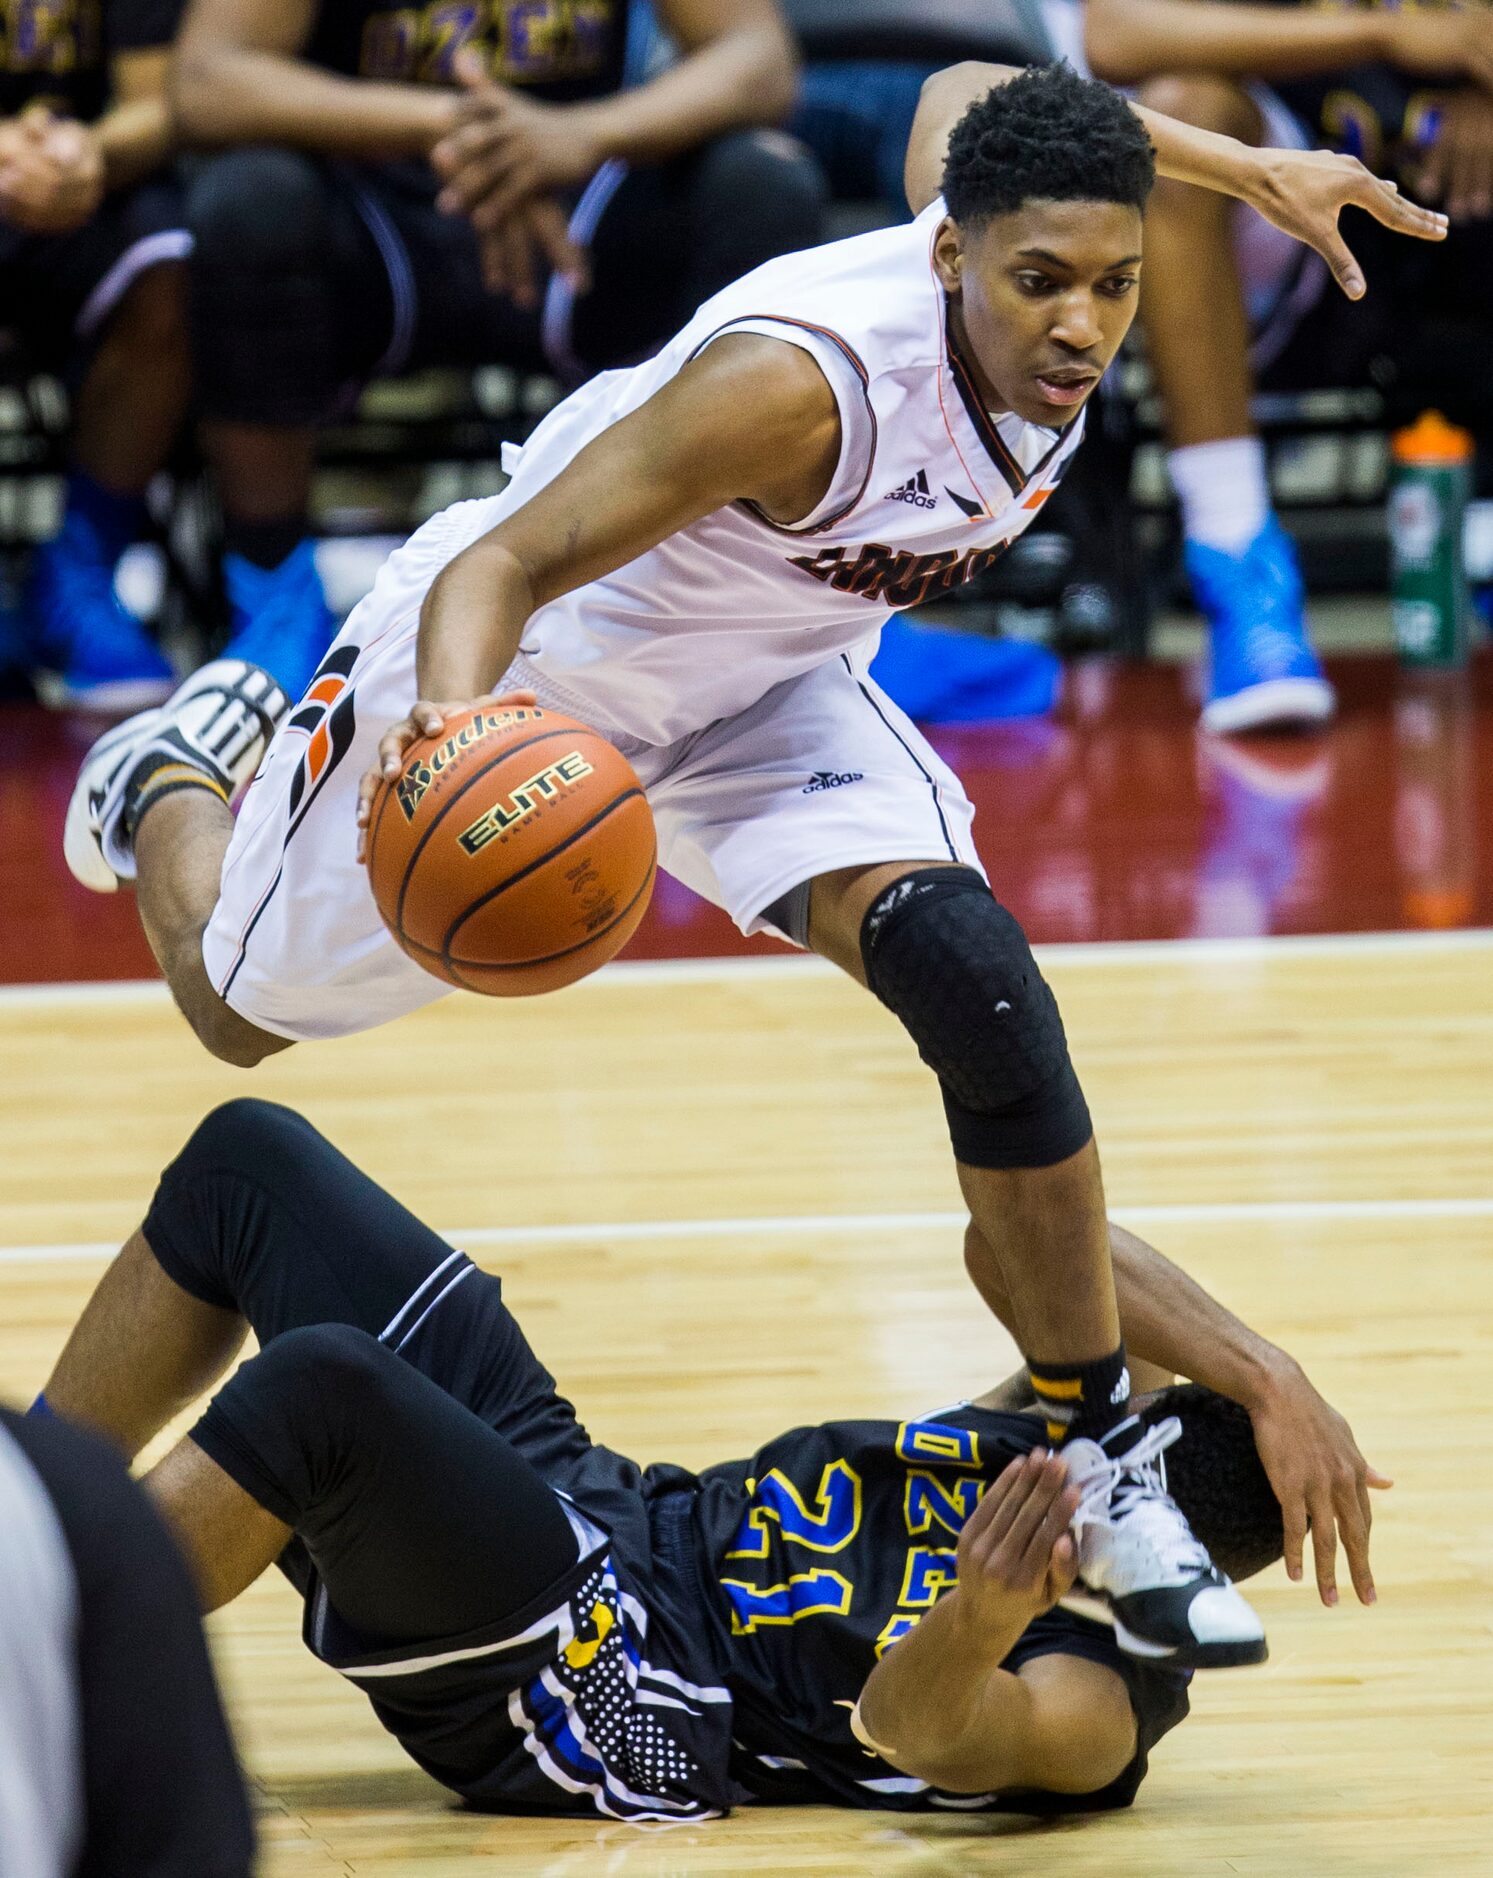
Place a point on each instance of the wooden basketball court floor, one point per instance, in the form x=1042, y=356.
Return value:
x=721, y=1199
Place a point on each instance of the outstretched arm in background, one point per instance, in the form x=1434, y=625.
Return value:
x=1300, y=191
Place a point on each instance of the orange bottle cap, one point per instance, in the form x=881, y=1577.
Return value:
x=1432, y=439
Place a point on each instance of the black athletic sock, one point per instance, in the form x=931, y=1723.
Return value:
x=159, y=775
x=1081, y=1399
x=266, y=544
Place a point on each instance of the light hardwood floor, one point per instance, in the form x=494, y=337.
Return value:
x=722, y=1203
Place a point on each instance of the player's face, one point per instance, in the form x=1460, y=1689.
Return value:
x=1044, y=297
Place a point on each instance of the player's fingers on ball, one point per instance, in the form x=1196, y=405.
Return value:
x=391, y=748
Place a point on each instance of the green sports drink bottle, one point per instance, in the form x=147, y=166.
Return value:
x=1430, y=481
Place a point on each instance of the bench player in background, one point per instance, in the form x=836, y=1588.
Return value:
x=862, y=1613
x=392, y=187
x=695, y=556
x=93, y=250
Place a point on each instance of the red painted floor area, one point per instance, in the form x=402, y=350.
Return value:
x=1114, y=821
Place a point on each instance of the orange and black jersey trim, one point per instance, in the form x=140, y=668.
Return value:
x=1016, y=478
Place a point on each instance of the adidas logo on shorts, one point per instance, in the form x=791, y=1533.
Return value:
x=830, y=779
x=915, y=491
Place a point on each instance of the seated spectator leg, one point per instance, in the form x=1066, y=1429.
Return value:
x=671, y=236
x=117, y=289
x=1242, y=565
x=275, y=245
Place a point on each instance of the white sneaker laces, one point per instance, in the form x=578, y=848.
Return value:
x=1131, y=1489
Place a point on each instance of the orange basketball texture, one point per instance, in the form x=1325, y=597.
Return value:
x=512, y=854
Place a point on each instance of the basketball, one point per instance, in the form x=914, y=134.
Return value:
x=514, y=853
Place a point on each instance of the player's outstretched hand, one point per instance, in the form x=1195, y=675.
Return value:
x=425, y=720
x=1320, y=1478
x=1016, y=1555
x=1305, y=191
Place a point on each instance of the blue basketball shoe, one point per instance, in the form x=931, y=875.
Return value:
x=86, y=647
x=1262, y=671
x=280, y=618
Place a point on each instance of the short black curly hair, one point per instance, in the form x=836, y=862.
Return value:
x=1050, y=135
x=1213, y=1472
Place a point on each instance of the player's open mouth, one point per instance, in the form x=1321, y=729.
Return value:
x=1067, y=387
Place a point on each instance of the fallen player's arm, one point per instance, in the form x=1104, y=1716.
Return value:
x=1307, y=1449
x=940, y=1707
x=1300, y=191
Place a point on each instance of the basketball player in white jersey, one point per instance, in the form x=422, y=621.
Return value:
x=695, y=556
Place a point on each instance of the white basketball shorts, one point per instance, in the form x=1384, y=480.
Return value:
x=821, y=772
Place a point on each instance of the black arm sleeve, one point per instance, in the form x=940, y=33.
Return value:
x=163, y=1793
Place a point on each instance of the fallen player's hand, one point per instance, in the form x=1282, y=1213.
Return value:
x=1320, y=1478
x=1016, y=1555
x=425, y=720
x=1304, y=192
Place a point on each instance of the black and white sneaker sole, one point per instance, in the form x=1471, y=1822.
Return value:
x=1192, y=1655
x=1238, y=1654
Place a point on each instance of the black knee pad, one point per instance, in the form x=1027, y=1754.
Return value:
x=258, y=209
x=954, y=965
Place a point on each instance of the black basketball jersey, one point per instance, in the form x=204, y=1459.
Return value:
x=708, y=1645
x=830, y=1545
x=560, y=50
x=58, y=51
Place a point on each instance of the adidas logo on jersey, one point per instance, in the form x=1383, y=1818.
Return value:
x=915, y=491
x=830, y=779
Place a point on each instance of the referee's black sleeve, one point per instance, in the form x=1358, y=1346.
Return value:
x=164, y=1796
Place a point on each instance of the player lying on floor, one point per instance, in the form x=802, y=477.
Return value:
x=696, y=556
x=545, y=1626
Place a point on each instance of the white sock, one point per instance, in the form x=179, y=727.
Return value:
x=1224, y=491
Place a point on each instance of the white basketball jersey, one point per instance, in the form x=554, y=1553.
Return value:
x=928, y=492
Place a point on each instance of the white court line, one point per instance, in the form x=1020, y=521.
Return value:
x=780, y=1225
x=1146, y=952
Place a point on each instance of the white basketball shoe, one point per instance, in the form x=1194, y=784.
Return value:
x=218, y=723
x=1138, y=1558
